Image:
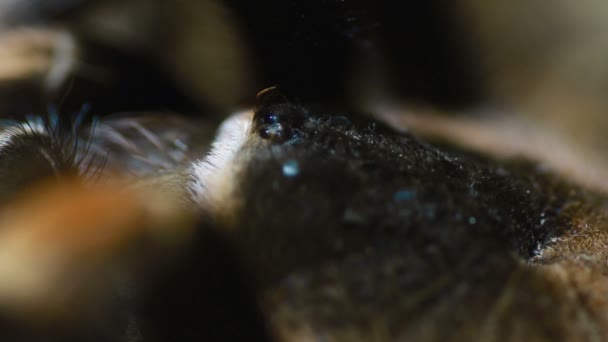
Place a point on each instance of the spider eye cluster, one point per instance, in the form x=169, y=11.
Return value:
x=276, y=119
x=270, y=128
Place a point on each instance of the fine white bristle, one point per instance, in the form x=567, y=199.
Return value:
x=211, y=176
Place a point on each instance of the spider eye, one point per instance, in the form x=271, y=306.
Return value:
x=271, y=128
x=268, y=119
x=277, y=119
x=275, y=128
x=275, y=133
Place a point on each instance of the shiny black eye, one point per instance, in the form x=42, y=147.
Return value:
x=268, y=119
x=276, y=133
x=277, y=119
x=271, y=128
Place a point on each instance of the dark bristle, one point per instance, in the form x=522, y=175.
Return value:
x=65, y=139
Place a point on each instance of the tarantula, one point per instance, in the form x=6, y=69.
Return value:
x=307, y=217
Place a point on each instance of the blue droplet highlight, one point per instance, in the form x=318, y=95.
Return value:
x=291, y=168
x=404, y=195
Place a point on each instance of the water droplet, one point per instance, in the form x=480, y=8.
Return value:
x=291, y=168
